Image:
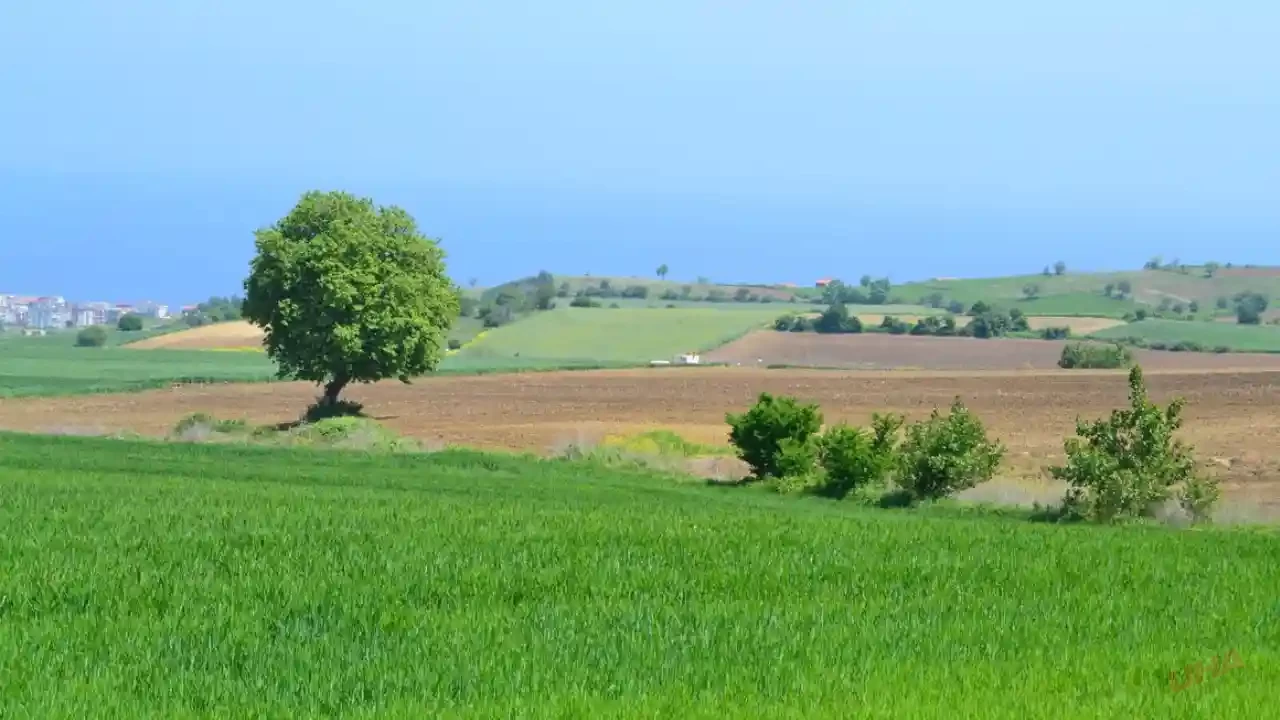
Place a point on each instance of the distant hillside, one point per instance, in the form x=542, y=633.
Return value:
x=1172, y=293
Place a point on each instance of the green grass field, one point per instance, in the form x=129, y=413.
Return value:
x=1238, y=338
x=603, y=336
x=52, y=365
x=1082, y=293
x=169, y=580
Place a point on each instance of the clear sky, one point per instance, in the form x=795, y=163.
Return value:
x=142, y=141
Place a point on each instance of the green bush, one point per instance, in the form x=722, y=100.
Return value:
x=836, y=319
x=852, y=458
x=1055, y=333
x=1094, y=356
x=758, y=434
x=324, y=411
x=797, y=458
x=455, y=344
x=946, y=454
x=894, y=326
x=129, y=322
x=1126, y=465
x=93, y=336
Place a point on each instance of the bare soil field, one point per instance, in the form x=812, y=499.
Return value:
x=219, y=336
x=1233, y=417
x=875, y=351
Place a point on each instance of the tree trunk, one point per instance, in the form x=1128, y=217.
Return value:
x=333, y=388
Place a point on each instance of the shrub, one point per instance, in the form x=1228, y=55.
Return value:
x=1093, y=356
x=758, y=433
x=836, y=319
x=851, y=458
x=894, y=326
x=946, y=454
x=1055, y=333
x=1221, y=349
x=129, y=322
x=956, y=307
x=797, y=458
x=455, y=344
x=582, y=301
x=94, y=336
x=979, y=308
x=1124, y=466
x=784, y=322
x=322, y=410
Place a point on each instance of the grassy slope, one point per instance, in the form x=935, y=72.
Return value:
x=605, y=336
x=137, y=582
x=1081, y=293
x=1241, y=338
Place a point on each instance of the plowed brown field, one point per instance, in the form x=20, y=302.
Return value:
x=876, y=351
x=1233, y=417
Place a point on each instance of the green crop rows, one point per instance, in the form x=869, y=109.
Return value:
x=169, y=580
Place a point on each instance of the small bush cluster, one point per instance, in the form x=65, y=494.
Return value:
x=1126, y=466
x=992, y=324
x=93, y=336
x=782, y=441
x=129, y=322
x=1094, y=356
x=1121, y=467
x=1055, y=333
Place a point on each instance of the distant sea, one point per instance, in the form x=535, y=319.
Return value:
x=132, y=238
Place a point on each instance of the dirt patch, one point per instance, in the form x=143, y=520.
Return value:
x=876, y=351
x=1233, y=417
x=235, y=335
x=1078, y=325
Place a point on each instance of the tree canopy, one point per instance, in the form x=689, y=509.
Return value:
x=347, y=291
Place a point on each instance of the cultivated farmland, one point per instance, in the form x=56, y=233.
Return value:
x=582, y=336
x=462, y=585
x=1209, y=335
x=1232, y=416
x=876, y=351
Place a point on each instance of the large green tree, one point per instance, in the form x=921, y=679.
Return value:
x=347, y=291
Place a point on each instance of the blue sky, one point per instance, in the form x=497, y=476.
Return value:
x=143, y=141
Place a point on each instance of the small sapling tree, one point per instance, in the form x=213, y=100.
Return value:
x=946, y=454
x=1126, y=465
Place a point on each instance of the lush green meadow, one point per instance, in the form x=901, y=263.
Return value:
x=170, y=580
x=52, y=365
x=603, y=336
x=1210, y=335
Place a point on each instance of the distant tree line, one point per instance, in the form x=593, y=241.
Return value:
x=985, y=323
x=215, y=310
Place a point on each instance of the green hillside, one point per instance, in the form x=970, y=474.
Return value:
x=1208, y=335
x=590, y=336
x=153, y=580
x=1084, y=293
